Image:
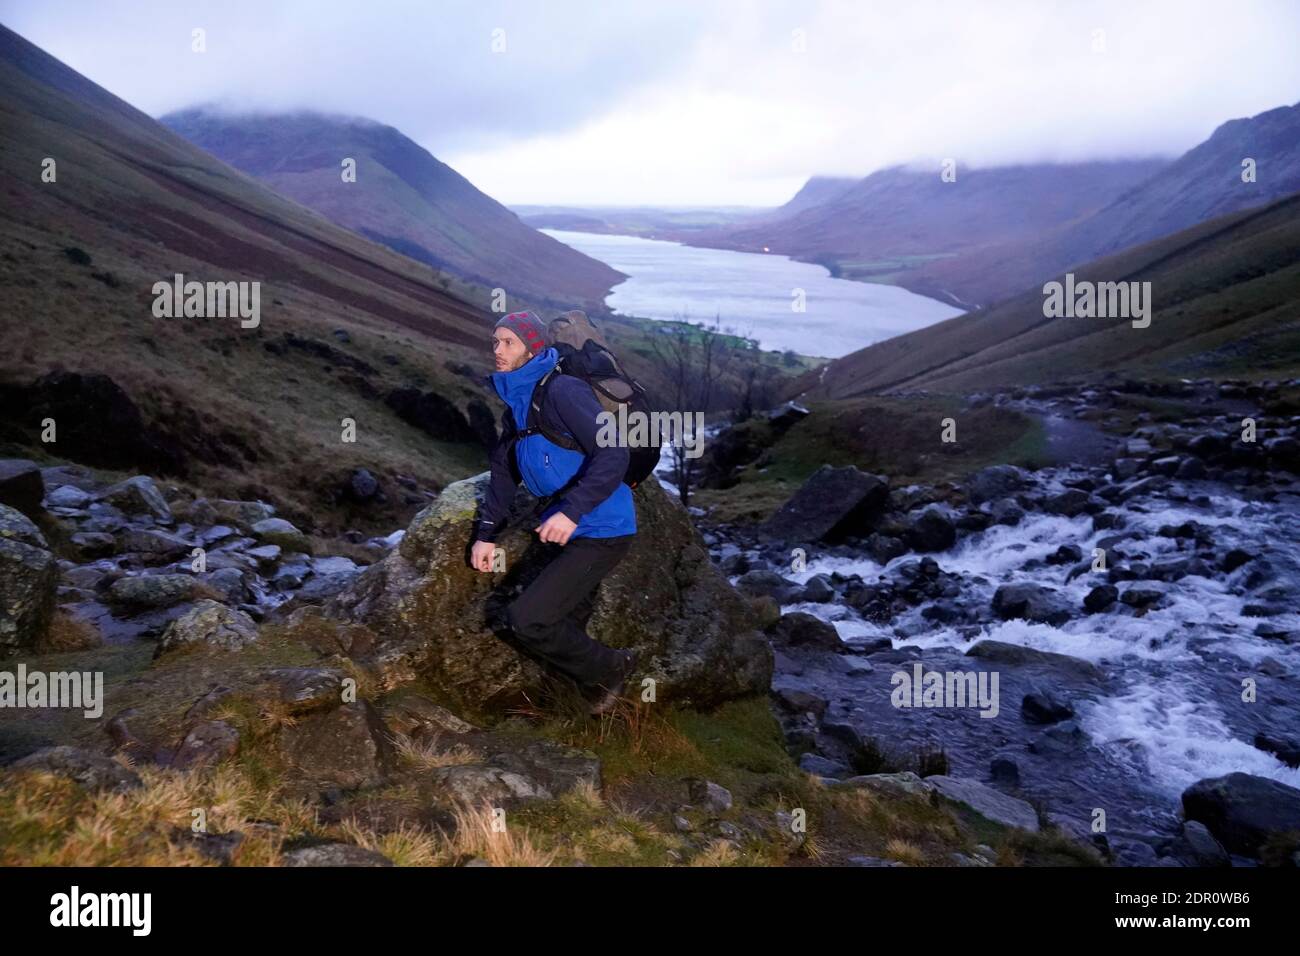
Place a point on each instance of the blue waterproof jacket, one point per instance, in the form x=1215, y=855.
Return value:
x=596, y=499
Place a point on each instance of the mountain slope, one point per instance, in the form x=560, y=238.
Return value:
x=817, y=191
x=886, y=226
x=402, y=197
x=1226, y=297
x=241, y=411
x=1204, y=182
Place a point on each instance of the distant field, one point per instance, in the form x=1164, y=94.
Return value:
x=645, y=222
x=886, y=270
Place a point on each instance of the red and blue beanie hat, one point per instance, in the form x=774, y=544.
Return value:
x=529, y=327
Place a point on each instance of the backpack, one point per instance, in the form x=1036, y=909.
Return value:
x=584, y=355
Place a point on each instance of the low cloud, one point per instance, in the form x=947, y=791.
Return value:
x=687, y=103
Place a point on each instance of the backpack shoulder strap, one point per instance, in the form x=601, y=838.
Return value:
x=534, y=425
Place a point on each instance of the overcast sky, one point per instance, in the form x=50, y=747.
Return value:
x=693, y=102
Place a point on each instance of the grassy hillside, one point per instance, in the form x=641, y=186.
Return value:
x=897, y=437
x=1203, y=183
x=993, y=233
x=403, y=197
x=1225, y=299
x=249, y=411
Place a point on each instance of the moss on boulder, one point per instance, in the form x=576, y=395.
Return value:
x=439, y=621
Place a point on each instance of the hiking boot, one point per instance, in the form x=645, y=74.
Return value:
x=609, y=695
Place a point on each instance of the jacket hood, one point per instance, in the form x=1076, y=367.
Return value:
x=517, y=385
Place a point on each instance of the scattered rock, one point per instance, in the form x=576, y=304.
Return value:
x=21, y=486
x=995, y=482
x=1005, y=770
x=1005, y=653
x=798, y=629
x=987, y=802
x=1044, y=707
x=932, y=530
x=1064, y=738
x=1200, y=847
x=29, y=582
x=477, y=784
x=208, y=742
x=820, y=766
x=1242, y=811
x=818, y=590
x=347, y=747
x=138, y=496
x=334, y=854
x=283, y=534
x=831, y=504
x=1032, y=602
x=1100, y=598
x=768, y=584
x=709, y=795
x=212, y=625
x=1285, y=749
x=152, y=590
x=90, y=545
x=905, y=783
x=92, y=771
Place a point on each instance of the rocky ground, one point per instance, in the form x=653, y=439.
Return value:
x=365, y=707
x=265, y=704
x=1121, y=682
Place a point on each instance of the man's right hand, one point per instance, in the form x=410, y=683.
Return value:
x=480, y=556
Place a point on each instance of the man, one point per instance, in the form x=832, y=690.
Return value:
x=591, y=518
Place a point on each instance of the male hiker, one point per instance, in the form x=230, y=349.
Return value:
x=589, y=514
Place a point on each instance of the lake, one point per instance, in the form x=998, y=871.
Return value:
x=753, y=294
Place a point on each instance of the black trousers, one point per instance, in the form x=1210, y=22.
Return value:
x=550, y=617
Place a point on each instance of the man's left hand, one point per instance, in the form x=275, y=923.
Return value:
x=557, y=529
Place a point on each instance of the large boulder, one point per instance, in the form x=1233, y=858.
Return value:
x=21, y=486
x=1243, y=811
x=148, y=591
x=1018, y=655
x=987, y=802
x=833, y=503
x=1032, y=602
x=29, y=582
x=433, y=617
x=932, y=529
x=996, y=482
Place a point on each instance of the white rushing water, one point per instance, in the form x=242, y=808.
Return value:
x=754, y=294
x=1174, y=661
